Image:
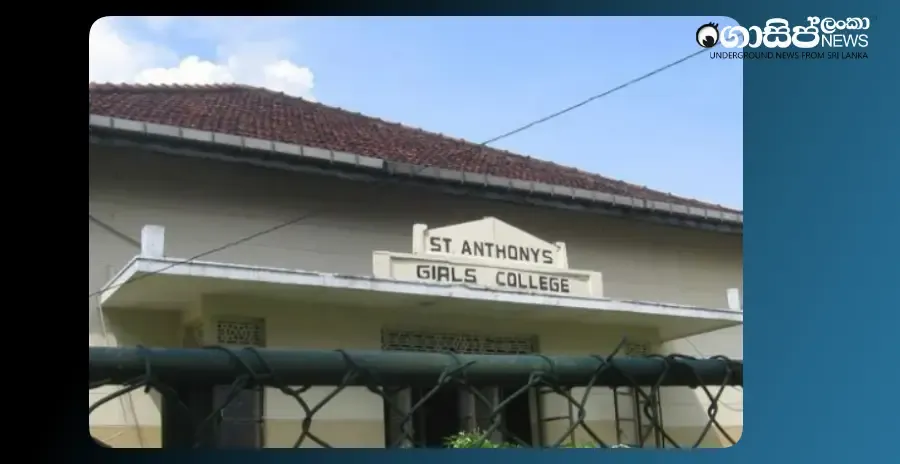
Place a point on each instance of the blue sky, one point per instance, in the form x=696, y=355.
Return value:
x=475, y=78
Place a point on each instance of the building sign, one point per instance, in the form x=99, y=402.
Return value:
x=488, y=253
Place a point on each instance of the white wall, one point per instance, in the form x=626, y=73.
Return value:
x=204, y=205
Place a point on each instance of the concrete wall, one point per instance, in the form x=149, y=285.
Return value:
x=204, y=205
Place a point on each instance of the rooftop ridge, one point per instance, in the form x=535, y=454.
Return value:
x=101, y=86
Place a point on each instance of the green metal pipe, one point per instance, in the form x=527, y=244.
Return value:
x=395, y=368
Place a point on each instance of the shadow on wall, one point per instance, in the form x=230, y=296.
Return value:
x=133, y=419
x=686, y=411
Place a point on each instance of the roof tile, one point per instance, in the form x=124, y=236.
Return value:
x=265, y=114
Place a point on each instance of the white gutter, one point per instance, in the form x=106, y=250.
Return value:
x=447, y=175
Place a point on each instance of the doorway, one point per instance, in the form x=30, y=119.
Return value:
x=438, y=418
x=519, y=417
x=241, y=421
x=453, y=409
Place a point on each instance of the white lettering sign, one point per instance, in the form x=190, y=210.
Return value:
x=488, y=253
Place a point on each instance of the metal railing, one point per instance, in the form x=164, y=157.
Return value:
x=192, y=415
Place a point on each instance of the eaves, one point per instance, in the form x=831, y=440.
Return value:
x=184, y=141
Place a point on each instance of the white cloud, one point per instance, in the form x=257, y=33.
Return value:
x=115, y=56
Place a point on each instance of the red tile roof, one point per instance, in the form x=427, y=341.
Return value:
x=264, y=114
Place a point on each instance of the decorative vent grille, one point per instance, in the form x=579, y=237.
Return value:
x=401, y=340
x=636, y=349
x=241, y=332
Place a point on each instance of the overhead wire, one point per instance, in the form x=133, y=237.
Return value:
x=105, y=333
x=112, y=230
x=595, y=97
x=424, y=165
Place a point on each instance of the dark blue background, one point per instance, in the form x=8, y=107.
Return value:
x=822, y=197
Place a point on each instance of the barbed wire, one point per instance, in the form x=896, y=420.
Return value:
x=168, y=372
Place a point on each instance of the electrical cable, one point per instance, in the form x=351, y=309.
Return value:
x=112, y=230
x=423, y=166
x=105, y=333
x=595, y=97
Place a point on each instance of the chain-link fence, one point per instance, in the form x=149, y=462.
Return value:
x=198, y=386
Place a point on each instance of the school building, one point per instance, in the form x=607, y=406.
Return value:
x=409, y=240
